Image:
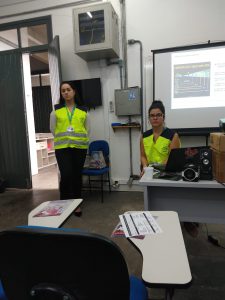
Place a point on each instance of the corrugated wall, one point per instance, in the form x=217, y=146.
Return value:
x=14, y=156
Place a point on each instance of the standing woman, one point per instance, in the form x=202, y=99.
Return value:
x=69, y=125
x=156, y=143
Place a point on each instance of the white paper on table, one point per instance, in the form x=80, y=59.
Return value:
x=139, y=223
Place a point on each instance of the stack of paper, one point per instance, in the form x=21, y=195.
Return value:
x=139, y=223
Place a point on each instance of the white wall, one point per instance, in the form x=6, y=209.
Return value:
x=157, y=24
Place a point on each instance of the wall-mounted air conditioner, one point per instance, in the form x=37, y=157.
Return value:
x=96, y=33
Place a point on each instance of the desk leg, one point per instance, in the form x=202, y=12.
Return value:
x=169, y=293
x=146, y=200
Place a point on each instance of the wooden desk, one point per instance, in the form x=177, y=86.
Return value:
x=165, y=262
x=51, y=221
x=202, y=201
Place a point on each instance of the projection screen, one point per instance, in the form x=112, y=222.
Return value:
x=191, y=83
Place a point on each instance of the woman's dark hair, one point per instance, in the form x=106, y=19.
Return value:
x=77, y=97
x=157, y=104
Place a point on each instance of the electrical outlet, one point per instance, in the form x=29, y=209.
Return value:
x=111, y=106
x=116, y=184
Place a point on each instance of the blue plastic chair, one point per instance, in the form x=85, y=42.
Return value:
x=2, y=293
x=81, y=266
x=99, y=145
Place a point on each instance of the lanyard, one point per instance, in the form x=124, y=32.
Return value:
x=70, y=114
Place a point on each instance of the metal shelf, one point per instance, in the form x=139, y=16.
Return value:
x=125, y=126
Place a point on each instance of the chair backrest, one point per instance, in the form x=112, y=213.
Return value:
x=86, y=266
x=100, y=145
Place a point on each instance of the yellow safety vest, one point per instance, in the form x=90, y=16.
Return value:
x=157, y=152
x=64, y=138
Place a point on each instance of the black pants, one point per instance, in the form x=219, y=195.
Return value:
x=70, y=162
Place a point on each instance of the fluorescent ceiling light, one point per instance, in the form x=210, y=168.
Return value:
x=89, y=14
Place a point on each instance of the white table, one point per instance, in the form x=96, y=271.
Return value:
x=165, y=261
x=52, y=221
x=202, y=201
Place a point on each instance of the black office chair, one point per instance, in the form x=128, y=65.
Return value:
x=99, y=145
x=45, y=263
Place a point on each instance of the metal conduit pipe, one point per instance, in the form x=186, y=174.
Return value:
x=132, y=42
x=125, y=69
x=118, y=62
x=124, y=41
x=122, y=63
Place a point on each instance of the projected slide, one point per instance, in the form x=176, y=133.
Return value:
x=192, y=80
x=191, y=84
x=198, y=78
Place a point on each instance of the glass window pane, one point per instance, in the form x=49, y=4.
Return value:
x=92, y=27
x=34, y=35
x=39, y=62
x=8, y=39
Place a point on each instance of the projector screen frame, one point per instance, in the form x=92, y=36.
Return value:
x=188, y=131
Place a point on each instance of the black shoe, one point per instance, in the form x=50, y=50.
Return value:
x=78, y=213
x=191, y=228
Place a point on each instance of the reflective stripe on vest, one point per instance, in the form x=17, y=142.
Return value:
x=156, y=152
x=63, y=138
x=71, y=134
x=70, y=142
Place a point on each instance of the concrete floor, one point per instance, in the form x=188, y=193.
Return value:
x=207, y=261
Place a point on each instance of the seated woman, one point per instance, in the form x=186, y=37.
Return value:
x=157, y=142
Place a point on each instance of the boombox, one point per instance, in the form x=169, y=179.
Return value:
x=198, y=164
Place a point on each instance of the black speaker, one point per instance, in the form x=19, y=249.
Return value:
x=205, y=163
x=191, y=172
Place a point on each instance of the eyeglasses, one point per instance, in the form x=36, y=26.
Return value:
x=159, y=115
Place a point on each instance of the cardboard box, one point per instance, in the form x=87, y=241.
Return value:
x=217, y=141
x=218, y=164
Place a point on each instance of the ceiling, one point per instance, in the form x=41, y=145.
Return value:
x=12, y=2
